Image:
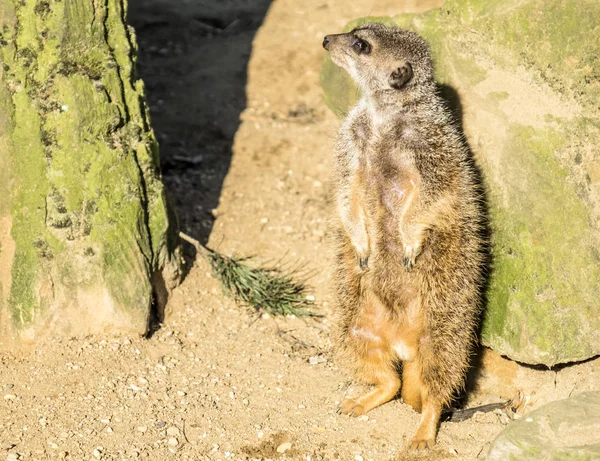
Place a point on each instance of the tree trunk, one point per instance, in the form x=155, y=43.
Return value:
x=87, y=242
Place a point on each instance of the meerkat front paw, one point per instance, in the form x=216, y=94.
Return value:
x=410, y=255
x=363, y=261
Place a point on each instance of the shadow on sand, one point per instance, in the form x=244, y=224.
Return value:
x=193, y=58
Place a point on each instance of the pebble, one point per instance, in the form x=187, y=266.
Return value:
x=285, y=446
x=358, y=458
x=96, y=453
x=173, y=431
x=316, y=359
x=161, y=424
x=180, y=393
x=142, y=429
x=173, y=441
x=12, y=457
x=362, y=418
x=9, y=396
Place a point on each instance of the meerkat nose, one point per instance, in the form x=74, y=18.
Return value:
x=326, y=42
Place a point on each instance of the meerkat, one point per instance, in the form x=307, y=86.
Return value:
x=409, y=228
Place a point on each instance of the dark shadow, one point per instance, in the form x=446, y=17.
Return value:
x=193, y=58
x=452, y=99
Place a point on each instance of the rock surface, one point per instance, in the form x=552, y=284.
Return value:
x=523, y=78
x=566, y=429
x=87, y=239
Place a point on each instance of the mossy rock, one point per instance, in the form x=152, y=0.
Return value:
x=528, y=85
x=87, y=242
x=567, y=429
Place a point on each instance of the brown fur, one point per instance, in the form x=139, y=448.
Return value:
x=409, y=230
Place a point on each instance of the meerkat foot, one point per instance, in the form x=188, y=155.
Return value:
x=424, y=438
x=352, y=408
x=420, y=444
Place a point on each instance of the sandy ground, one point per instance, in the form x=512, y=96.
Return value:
x=246, y=151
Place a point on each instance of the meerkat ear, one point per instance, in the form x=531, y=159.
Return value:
x=400, y=76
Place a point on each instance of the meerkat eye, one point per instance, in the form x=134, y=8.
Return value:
x=360, y=46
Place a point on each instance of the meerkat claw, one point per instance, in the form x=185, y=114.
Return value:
x=363, y=262
x=420, y=445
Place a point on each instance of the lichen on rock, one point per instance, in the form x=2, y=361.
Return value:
x=90, y=225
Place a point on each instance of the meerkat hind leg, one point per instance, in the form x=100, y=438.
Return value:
x=412, y=387
x=429, y=407
x=426, y=432
x=387, y=385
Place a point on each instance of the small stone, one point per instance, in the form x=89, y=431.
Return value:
x=285, y=446
x=9, y=396
x=173, y=431
x=109, y=430
x=97, y=454
x=135, y=388
x=12, y=457
x=51, y=444
x=173, y=441
x=363, y=418
x=161, y=424
x=358, y=458
x=316, y=359
x=180, y=393
x=142, y=429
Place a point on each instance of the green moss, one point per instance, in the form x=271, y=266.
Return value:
x=559, y=39
x=530, y=285
x=88, y=208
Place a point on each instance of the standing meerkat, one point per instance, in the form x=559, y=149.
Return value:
x=409, y=228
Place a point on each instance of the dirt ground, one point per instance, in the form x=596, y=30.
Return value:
x=246, y=141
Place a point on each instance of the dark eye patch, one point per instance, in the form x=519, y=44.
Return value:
x=361, y=46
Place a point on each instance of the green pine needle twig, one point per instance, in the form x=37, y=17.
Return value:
x=268, y=289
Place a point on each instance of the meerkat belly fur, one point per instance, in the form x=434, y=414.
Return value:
x=409, y=230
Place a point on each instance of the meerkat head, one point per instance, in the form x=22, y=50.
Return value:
x=381, y=58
